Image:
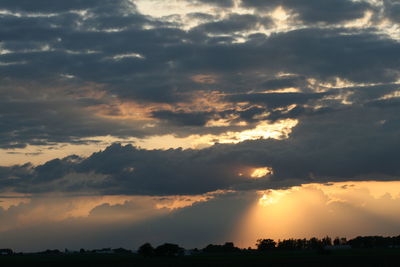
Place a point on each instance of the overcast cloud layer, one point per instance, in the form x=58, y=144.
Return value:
x=74, y=71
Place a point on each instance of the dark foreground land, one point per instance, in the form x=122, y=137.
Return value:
x=353, y=257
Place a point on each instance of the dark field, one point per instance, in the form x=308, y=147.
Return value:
x=354, y=257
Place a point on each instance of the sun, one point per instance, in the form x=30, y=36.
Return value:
x=265, y=200
x=271, y=197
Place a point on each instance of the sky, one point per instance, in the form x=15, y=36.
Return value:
x=197, y=121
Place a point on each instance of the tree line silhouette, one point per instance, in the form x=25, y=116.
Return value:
x=265, y=245
x=262, y=245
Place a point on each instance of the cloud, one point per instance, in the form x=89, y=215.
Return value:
x=79, y=70
x=332, y=11
x=136, y=221
x=54, y=52
x=48, y=6
x=191, y=119
x=306, y=89
x=344, y=209
x=220, y=3
x=274, y=100
x=357, y=143
x=234, y=23
x=392, y=9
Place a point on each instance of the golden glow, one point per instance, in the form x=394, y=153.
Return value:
x=205, y=78
x=264, y=200
x=394, y=94
x=280, y=14
x=271, y=197
x=139, y=116
x=127, y=110
x=219, y=122
x=177, y=202
x=13, y=199
x=283, y=90
x=34, y=210
x=344, y=97
x=199, y=101
x=40, y=154
x=363, y=22
x=264, y=130
x=261, y=172
x=157, y=8
x=337, y=83
x=335, y=209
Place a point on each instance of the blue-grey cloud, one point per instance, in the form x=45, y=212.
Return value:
x=52, y=50
x=234, y=23
x=339, y=145
x=314, y=11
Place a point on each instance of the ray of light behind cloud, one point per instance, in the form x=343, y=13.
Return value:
x=340, y=209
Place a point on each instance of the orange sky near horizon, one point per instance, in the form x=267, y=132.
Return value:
x=344, y=209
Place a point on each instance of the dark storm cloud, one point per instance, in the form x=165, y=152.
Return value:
x=319, y=53
x=345, y=144
x=285, y=82
x=134, y=57
x=250, y=113
x=43, y=122
x=274, y=100
x=313, y=11
x=183, y=118
x=165, y=51
x=392, y=10
x=285, y=105
x=178, y=171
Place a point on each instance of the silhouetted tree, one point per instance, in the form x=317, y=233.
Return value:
x=169, y=250
x=227, y=247
x=301, y=244
x=339, y=241
x=146, y=250
x=230, y=247
x=287, y=244
x=371, y=242
x=265, y=244
x=326, y=241
x=315, y=243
